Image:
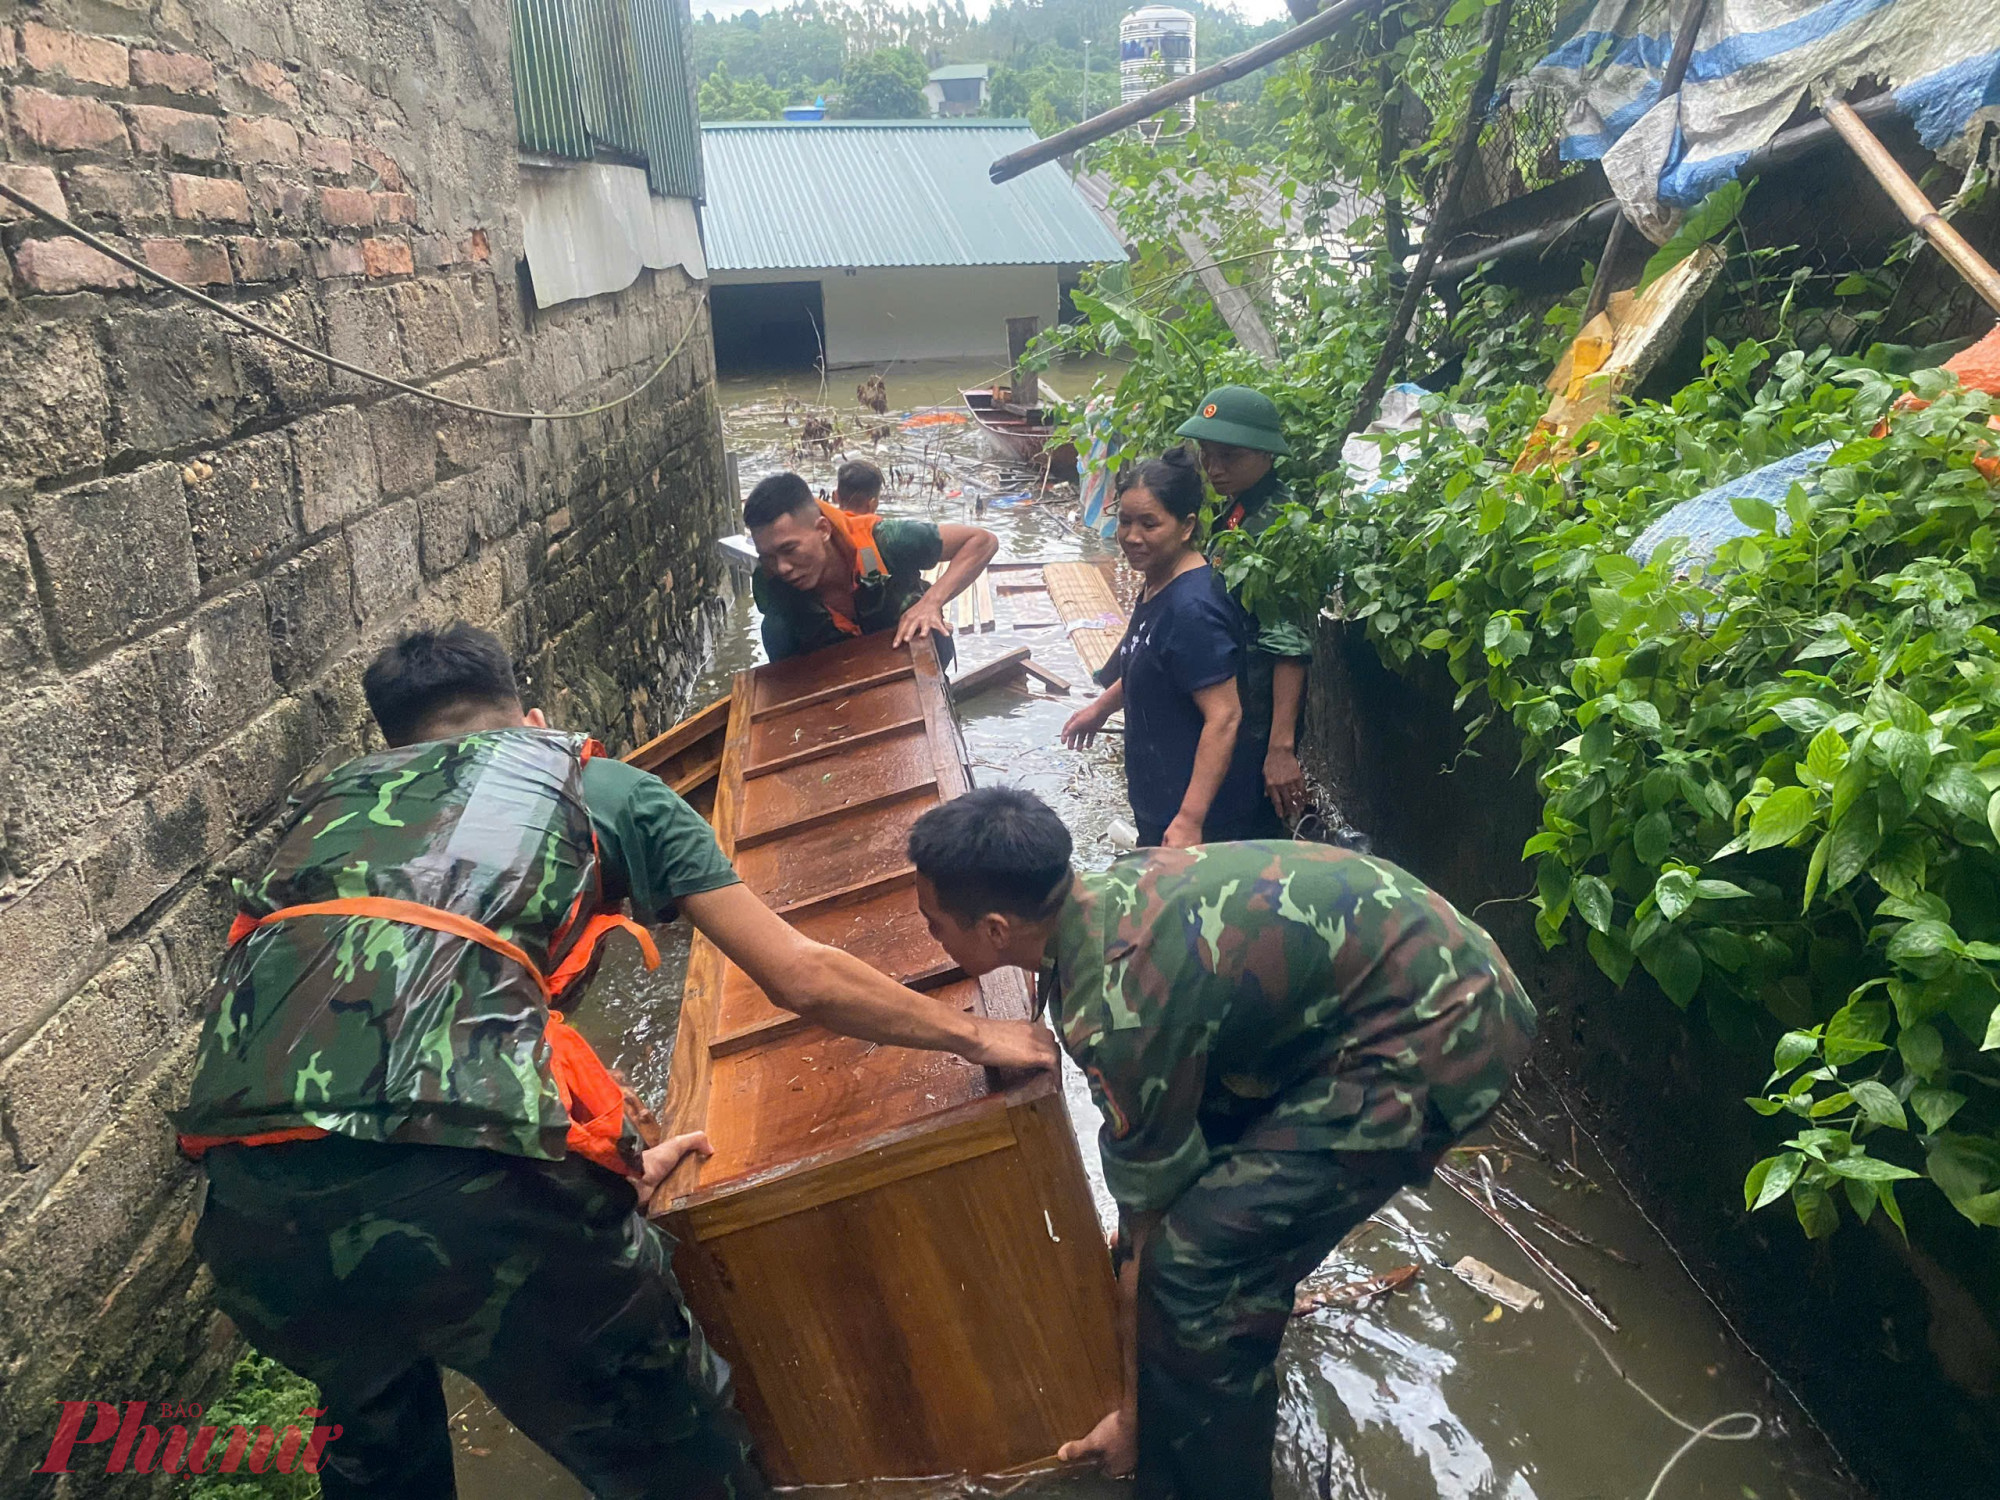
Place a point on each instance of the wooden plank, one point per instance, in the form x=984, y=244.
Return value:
x=1011, y=667
x=1231, y=301
x=1089, y=609
x=982, y=603
x=697, y=729
x=1046, y=678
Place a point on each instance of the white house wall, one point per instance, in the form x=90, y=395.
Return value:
x=878, y=316
x=873, y=317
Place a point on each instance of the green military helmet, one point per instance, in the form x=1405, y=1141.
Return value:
x=1239, y=416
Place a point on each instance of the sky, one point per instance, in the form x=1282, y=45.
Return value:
x=1251, y=10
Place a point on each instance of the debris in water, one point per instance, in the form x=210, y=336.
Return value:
x=873, y=393
x=1353, y=1293
x=1496, y=1286
x=1467, y=1189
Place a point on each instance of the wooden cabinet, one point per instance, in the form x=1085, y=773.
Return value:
x=897, y=1253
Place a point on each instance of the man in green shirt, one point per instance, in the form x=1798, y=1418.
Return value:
x=1279, y=1036
x=825, y=575
x=411, y=1163
x=1240, y=437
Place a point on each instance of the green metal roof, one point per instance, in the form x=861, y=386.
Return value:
x=609, y=76
x=951, y=72
x=855, y=193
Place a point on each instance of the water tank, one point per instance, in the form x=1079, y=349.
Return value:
x=1155, y=46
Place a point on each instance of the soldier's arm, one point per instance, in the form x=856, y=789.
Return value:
x=1284, y=777
x=966, y=550
x=838, y=991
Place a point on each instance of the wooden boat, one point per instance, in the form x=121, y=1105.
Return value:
x=1021, y=433
x=896, y=1251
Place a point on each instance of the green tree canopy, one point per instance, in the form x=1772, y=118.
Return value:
x=883, y=85
x=727, y=97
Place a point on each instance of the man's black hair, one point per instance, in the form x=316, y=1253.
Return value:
x=996, y=849
x=858, y=477
x=778, y=495
x=429, y=671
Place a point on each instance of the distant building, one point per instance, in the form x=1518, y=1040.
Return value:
x=803, y=114
x=1155, y=46
x=957, y=89
x=871, y=241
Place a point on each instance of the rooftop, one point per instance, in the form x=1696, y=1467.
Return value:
x=951, y=72
x=873, y=193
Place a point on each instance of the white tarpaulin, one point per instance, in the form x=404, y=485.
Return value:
x=1753, y=61
x=590, y=228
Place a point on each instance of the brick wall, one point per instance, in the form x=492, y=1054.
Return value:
x=203, y=536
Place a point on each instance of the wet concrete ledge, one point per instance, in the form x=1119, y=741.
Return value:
x=1891, y=1348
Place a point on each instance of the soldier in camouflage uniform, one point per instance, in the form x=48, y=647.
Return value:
x=1240, y=439
x=413, y=1161
x=1280, y=1036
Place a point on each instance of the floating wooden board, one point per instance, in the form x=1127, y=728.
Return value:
x=896, y=1252
x=1089, y=609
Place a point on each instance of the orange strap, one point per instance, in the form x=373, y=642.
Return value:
x=590, y=1094
x=416, y=914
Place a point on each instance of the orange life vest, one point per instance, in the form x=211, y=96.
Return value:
x=855, y=536
x=590, y=1093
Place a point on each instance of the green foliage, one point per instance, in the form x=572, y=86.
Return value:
x=726, y=97
x=262, y=1393
x=1710, y=219
x=884, y=85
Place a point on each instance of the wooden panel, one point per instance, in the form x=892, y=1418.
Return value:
x=962, y=1313
x=875, y=772
x=785, y=1100
x=790, y=732
x=865, y=844
x=901, y=1260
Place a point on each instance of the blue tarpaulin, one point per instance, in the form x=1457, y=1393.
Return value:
x=1752, y=63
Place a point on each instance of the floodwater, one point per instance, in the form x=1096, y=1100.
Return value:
x=1433, y=1389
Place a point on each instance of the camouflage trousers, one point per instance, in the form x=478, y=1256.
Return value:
x=1216, y=1283
x=364, y=1267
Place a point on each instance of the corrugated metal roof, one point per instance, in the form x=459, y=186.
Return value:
x=951, y=71
x=855, y=193
x=612, y=74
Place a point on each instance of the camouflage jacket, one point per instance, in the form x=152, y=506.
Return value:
x=386, y=1031
x=1280, y=995
x=1264, y=641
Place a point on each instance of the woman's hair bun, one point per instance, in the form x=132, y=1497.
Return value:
x=1173, y=479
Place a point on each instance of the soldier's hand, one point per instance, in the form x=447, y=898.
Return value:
x=1285, y=783
x=1013, y=1046
x=659, y=1161
x=1113, y=1445
x=925, y=615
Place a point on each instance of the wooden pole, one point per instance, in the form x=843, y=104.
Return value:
x=1145, y=106
x=1911, y=202
x=1621, y=227
x=1494, y=34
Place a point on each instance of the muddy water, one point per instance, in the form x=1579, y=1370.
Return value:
x=1430, y=1390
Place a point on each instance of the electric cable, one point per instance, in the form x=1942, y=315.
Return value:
x=112, y=252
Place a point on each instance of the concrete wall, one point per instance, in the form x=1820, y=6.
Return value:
x=203, y=537
x=947, y=312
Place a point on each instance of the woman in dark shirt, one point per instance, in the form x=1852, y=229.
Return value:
x=1175, y=672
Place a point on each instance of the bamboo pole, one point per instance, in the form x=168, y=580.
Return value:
x=1097, y=127
x=1493, y=32
x=1621, y=227
x=1911, y=202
